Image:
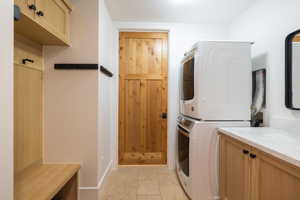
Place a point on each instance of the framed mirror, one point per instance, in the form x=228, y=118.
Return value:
x=292, y=71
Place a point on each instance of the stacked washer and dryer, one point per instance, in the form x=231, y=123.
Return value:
x=215, y=91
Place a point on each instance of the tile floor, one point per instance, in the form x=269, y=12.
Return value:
x=142, y=183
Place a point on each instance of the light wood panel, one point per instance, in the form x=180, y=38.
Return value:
x=143, y=98
x=43, y=182
x=28, y=104
x=274, y=179
x=133, y=116
x=154, y=121
x=234, y=170
x=144, y=56
x=27, y=117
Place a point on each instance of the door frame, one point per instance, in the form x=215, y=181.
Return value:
x=115, y=142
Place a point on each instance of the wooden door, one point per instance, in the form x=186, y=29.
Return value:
x=55, y=17
x=28, y=97
x=143, y=98
x=234, y=170
x=273, y=179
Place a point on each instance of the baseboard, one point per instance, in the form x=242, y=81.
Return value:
x=92, y=191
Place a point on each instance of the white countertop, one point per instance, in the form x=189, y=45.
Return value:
x=282, y=144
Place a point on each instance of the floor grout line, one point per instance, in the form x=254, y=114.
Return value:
x=137, y=176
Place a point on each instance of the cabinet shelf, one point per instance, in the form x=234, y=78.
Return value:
x=35, y=32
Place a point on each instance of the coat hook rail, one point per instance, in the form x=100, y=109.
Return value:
x=106, y=71
x=76, y=66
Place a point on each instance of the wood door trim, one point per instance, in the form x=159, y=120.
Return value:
x=144, y=35
x=146, y=77
x=124, y=77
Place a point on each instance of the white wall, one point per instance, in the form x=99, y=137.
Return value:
x=267, y=23
x=6, y=102
x=79, y=109
x=181, y=38
x=106, y=98
x=71, y=99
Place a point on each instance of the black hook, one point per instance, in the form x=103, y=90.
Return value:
x=27, y=60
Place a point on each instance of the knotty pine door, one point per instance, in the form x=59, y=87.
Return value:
x=143, y=98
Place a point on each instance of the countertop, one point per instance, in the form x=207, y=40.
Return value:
x=282, y=144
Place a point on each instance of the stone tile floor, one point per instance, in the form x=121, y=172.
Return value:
x=142, y=183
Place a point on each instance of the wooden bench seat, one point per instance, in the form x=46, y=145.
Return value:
x=45, y=181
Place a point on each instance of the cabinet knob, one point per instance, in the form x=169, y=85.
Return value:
x=245, y=151
x=27, y=60
x=252, y=155
x=32, y=7
x=40, y=13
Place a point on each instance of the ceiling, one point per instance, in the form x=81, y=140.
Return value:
x=187, y=11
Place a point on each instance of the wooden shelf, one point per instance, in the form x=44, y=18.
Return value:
x=37, y=33
x=43, y=182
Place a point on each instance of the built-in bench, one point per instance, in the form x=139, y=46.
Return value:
x=47, y=182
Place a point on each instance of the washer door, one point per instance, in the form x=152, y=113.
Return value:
x=183, y=150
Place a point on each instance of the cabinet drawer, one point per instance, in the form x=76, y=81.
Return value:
x=26, y=49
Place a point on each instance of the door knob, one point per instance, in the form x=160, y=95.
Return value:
x=164, y=115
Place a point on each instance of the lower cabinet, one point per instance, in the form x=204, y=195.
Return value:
x=234, y=170
x=274, y=179
x=250, y=174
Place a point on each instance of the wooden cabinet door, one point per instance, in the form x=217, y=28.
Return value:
x=55, y=17
x=273, y=179
x=143, y=98
x=26, y=49
x=27, y=117
x=24, y=6
x=234, y=170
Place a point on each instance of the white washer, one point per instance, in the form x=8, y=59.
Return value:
x=202, y=180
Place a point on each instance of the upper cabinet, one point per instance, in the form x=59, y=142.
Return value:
x=54, y=15
x=45, y=21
